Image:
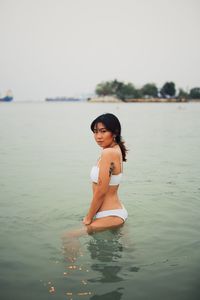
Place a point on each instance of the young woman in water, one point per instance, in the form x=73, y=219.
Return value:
x=106, y=211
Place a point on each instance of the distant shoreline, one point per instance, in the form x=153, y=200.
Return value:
x=109, y=99
x=114, y=102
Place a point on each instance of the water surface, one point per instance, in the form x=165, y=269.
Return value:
x=46, y=154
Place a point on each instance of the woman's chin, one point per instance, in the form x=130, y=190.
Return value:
x=100, y=144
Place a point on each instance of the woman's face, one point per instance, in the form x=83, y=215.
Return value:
x=103, y=137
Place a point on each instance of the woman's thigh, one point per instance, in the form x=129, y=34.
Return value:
x=105, y=223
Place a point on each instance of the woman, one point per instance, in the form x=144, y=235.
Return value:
x=106, y=210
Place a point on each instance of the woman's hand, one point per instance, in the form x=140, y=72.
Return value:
x=87, y=221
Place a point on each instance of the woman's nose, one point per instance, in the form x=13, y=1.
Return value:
x=98, y=134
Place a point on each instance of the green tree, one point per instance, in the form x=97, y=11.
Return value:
x=195, y=93
x=126, y=91
x=168, y=90
x=149, y=90
x=116, y=85
x=104, y=88
x=109, y=88
x=120, y=89
x=182, y=94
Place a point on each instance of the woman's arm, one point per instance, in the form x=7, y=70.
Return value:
x=102, y=186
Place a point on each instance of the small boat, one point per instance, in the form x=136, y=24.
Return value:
x=7, y=98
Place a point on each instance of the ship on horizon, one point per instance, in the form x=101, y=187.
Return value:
x=8, y=97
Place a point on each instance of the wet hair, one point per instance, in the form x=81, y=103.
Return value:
x=113, y=125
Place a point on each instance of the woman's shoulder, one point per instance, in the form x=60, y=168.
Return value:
x=109, y=153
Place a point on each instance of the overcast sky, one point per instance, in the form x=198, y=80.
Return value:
x=55, y=48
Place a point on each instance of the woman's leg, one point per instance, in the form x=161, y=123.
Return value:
x=71, y=243
x=104, y=223
x=96, y=225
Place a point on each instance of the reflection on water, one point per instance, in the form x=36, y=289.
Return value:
x=114, y=295
x=106, y=246
x=104, y=251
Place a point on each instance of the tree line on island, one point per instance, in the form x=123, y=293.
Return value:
x=126, y=91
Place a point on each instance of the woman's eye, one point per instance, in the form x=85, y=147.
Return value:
x=101, y=131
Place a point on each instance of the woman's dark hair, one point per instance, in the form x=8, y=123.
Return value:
x=113, y=125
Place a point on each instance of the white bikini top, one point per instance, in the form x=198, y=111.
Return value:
x=114, y=179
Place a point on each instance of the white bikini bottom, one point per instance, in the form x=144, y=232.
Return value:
x=120, y=212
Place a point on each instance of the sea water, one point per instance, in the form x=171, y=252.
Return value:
x=46, y=152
